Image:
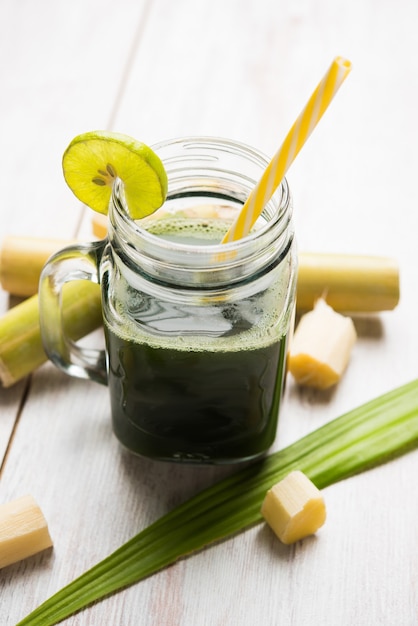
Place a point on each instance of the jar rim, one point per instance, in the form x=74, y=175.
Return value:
x=276, y=214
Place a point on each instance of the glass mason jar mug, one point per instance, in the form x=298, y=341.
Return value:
x=196, y=331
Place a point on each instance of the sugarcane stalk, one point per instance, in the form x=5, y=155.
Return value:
x=21, y=349
x=348, y=283
x=22, y=260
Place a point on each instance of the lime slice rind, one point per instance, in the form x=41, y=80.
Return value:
x=93, y=160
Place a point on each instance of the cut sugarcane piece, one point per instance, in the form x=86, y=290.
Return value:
x=21, y=349
x=23, y=530
x=22, y=260
x=294, y=508
x=321, y=347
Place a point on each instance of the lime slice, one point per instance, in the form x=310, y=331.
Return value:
x=93, y=160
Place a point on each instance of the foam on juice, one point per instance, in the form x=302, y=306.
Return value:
x=251, y=323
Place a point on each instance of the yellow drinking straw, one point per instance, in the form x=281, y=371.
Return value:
x=284, y=157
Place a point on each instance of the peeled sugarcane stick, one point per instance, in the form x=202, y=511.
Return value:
x=21, y=349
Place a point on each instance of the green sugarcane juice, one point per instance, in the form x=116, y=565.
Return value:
x=196, y=380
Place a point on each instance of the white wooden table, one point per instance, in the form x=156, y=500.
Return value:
x=241, y=69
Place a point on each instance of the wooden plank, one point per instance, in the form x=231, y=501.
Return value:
x=59, y=77
x=235, y=70
x=251, y=85
x=11, y=401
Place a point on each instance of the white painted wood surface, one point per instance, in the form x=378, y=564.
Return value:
x=242, y=69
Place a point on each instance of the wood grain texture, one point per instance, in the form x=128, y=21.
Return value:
x=241, y=69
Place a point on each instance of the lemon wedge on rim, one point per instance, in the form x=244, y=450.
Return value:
x=93, y=161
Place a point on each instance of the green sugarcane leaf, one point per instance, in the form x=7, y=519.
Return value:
x=365, y=437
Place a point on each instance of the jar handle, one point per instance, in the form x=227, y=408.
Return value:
x=73, y=263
